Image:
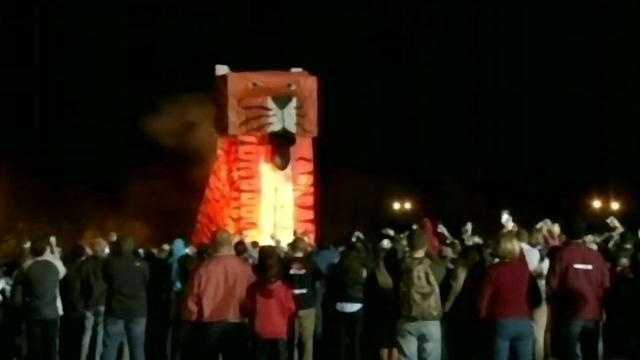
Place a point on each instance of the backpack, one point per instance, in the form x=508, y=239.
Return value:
x=419, y=292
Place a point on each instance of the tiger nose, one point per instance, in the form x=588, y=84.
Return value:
x=282, y=101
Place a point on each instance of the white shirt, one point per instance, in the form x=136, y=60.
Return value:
x=346, y=307
x=532, y=255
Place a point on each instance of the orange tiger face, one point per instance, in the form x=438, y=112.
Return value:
x=278, y=104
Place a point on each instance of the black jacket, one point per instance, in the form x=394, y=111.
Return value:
x=40, y=286
x=93, y=288
x=126, y=278
x=71, y=290
x=302, y=276
x=347, y=279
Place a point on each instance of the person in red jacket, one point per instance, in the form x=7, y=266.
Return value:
x=216, y=294
x=271, y=307
x=508, y=296
x=576, y=284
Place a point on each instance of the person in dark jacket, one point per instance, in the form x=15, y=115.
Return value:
x=382, y=303
x=302, y=274
x=576, y=285
x=159, y=305
x=460, y=306
x=41, y=288
x=620, y=337
x=346, y=293
x=126, y=277
x=73, y=304
x=94, y=292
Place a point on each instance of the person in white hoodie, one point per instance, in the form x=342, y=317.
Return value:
x=533, y=250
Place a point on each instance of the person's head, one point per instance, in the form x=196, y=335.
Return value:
x=164, y=251
x=39, y=246
x=522, y=235
x=508, y=247
x=255, y=245
x=537, y=237
x=223, y=244
x=269, y=267
x=78, y=252
x=98, y=247
x=576, y=229
x=416, y=240
x=178, y=248
x=203, y=253
x=299, y=247
x=240, y=248
x=124, y=246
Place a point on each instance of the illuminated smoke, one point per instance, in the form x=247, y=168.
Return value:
x=185, y=124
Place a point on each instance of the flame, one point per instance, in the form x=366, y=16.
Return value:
x=277, y=205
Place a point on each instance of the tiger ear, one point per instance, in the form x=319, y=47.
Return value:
x=222, y=70
x=296, y=69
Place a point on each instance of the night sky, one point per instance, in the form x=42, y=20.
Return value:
x=467, y=109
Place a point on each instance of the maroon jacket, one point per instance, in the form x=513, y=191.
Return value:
x=577, y=282
x=509, y=291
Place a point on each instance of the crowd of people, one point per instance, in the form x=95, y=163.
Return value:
x=418, y=293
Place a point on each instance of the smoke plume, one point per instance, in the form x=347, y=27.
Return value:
x=185, y=124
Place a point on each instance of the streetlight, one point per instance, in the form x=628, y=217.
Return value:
x=615, y=205
x=408, y=205
x=596, y=204
x=396, y=205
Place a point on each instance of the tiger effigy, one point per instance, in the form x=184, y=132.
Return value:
x=261, y=185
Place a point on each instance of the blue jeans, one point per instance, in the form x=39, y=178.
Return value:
x=93, y=329
x=514, y=335
x=420, y=340
x=580, y=339
x=116, y=331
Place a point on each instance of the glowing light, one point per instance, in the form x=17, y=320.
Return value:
x=615, y=205
x=596, y=204
x=397, y=205
x=277, y=205
x=408, y=205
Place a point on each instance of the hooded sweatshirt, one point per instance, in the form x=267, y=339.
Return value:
x=178, y=249
x=272, y=307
